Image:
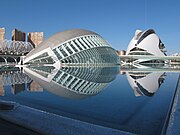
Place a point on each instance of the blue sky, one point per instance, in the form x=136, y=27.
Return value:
x=115, y=20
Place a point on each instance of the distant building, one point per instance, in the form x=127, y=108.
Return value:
x=35, y=38
x=121, y=52
x=175, y=61
x=176, y=54
x=18, y=35
x=2, y=33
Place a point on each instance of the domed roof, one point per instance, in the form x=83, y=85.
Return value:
x=59, y=38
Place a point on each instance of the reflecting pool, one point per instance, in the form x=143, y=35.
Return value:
x=126, y=99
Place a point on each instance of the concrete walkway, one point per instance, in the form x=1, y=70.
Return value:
x=50, y=124
x=7, y=128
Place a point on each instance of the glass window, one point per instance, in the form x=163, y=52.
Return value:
x=73, y=48
x=82, y=43
x=57, y=54
x=69, y=50
x=62, y=51
x=77, y=84
x=85, y=42
x=75, y=79
x=87, y=39
x=41, y=56
x=77, y=45
x=68, y=80
x=62, y=78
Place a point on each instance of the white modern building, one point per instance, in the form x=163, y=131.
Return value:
x=72, y=82
x=73, y=47
x=145, y=83
x=145, y=43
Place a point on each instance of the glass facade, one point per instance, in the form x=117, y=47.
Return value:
x=77, y=84
x=81, y=80
x=42, y=59
x=93, y=74
x=80, y=51
x=42, y=70
x=86, y=50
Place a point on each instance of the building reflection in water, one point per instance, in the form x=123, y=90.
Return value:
x=145, y=83
x=76, y=82
x=72, y=82
x=17, y=80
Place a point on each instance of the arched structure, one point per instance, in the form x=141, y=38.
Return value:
x=14, y=78
x=8, y=47
x=10, y=51
x=3, y=60
x=73, y=47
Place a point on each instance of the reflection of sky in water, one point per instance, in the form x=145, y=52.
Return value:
x=114, y=106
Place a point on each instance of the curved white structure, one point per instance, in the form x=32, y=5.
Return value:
x=72, y=82
x=73, y=47
x=145, y=43
x=145, y=83
x=8, y=47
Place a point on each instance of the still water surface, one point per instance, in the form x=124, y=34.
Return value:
x=136, y=101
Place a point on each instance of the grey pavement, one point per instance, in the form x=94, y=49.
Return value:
x=7, y=128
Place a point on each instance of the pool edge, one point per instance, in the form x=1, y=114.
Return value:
x=173, y=127
x=51, y=124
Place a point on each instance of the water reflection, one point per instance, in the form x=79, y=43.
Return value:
x=72, y=82
x=146, y=79
x=145, y=83
x=115, y=107
x=79, y=82
x=17, y=80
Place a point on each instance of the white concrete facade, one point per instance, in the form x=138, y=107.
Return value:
x=145, y=43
